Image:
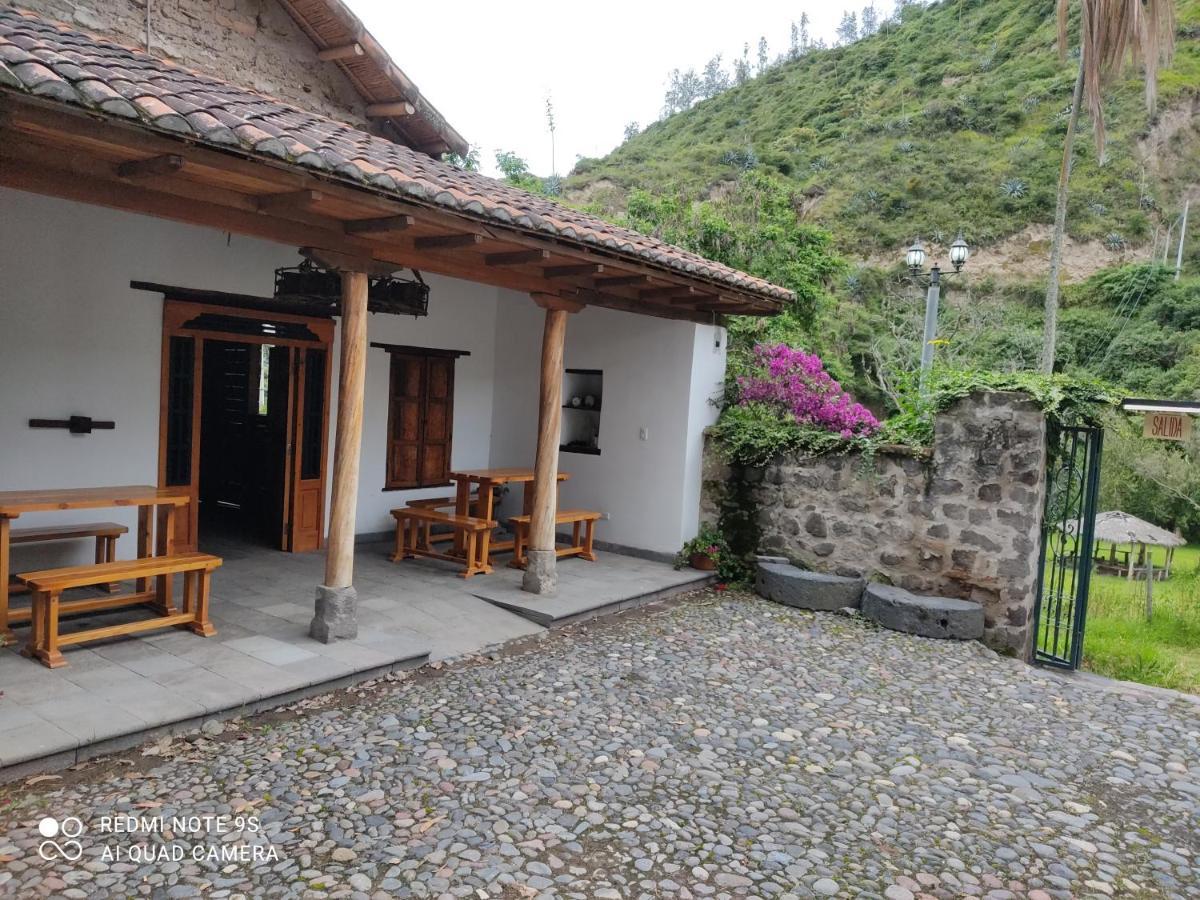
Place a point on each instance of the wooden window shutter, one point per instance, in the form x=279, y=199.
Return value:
x=420, y=420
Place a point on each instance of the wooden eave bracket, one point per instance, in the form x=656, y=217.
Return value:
x=348, y=262
x=556, y=302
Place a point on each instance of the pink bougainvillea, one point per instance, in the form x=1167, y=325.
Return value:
x=796, y=383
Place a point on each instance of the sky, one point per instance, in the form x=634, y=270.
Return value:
x=489, y=67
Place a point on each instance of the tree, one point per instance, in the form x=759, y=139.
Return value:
x=794, y=43
x=714, y=80
x=468, y=163
x=550, y=124
x=868, y=21
x=683, y=89
x=632, y=130
x=741, y=67
x=847, y=30
x=1111, y=32
x=805, y=39
x=762, y=55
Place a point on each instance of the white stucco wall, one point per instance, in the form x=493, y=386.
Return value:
x=78, y=340
x=658, y=376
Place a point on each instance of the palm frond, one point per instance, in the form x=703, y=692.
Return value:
x=1113, y=33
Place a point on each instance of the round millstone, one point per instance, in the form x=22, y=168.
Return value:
x=936, y=617
x=791, y=586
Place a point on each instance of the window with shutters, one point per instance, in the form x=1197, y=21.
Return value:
x=420, y=419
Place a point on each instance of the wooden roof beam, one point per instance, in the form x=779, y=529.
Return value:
x=289, y=201
x=516, y=258
x=665, y=293
x=622, y=281
x=380, y=225
x=577, y=271
x=348, y=262
x=392, y=110
x=445, y=241
x=348, y=51
x=155, y=166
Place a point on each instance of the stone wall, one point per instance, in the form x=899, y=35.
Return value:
x=963, y=521
x=248, y=42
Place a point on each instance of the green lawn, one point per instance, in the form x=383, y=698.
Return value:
x=1120, y=643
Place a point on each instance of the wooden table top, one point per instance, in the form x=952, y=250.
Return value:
x=13, y=503
x=501, y=475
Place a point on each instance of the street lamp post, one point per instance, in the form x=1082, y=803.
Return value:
x=915, y=258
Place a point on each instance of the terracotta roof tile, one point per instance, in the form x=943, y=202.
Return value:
x=53, y=60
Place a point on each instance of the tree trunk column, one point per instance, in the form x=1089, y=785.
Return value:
x=541, y=575
x=337, y=602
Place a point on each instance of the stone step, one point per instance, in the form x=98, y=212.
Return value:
x=786, y=584
x=936, y=617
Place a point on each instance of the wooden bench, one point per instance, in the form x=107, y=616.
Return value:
x=443, y=503
x=413, y=537
x=105, y=533
x=584, y=519
x=47, y=587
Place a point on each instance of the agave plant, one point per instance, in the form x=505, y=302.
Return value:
x=905, y=147
x=1014, y=188
x=1114, y=241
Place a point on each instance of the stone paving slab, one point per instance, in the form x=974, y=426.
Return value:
x=262, y=603
x=724, y=747
x=588, y=589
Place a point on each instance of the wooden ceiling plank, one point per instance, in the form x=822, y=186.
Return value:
x=379, y=225
x=516, y=257
x=166, y=164
x=348, y=262
x=664, y=293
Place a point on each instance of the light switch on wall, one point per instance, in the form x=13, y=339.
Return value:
x=644, y=434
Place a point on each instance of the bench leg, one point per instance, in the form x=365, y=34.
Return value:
x=106, y=546
x=6, y=633
x=472, y=560
x=201, y=624
x=398, y=549
x=37, y=611
x=47, y=652
x=518, y=560
x=588, y=553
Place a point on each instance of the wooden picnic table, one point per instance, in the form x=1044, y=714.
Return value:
x=146, y=498
x=487, y=480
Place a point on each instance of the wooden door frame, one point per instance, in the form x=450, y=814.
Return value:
x=176, y=315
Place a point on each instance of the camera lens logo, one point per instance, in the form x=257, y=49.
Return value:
x=68, y=849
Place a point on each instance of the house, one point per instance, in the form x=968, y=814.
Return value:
x=161, y=163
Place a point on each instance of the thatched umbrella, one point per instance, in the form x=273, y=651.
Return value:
x=1122, y=528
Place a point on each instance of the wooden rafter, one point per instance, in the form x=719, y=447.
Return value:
x=378, y=225
x=390, y=110
x=573, y=271
x=49, y=150
x=289, y=200
x=167, y=164
x=444, y=241
x=516, y=257
x=346, y=51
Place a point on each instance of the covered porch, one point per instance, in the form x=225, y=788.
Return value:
x=118, y=693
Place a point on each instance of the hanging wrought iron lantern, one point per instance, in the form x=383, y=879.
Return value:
x=308, y=283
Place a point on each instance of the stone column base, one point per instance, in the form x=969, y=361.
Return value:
x=336, y=616
x=541, y=572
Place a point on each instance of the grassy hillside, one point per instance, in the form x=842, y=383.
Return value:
x=952, y=120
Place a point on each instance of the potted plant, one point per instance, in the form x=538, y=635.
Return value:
x=704, y=551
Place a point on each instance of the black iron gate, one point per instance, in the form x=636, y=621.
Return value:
x=1065, y=563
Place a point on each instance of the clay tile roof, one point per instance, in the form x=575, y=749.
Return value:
x=111, y=79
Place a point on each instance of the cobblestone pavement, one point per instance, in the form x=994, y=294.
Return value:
x=721, y=747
